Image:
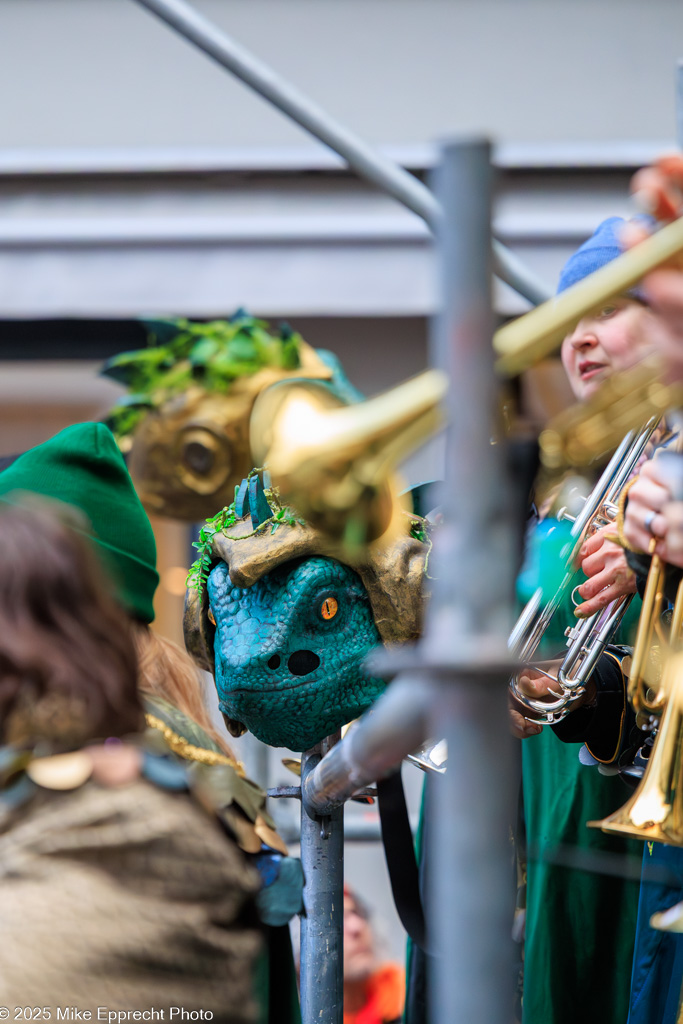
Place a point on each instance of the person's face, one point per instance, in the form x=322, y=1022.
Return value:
x=614, y=337
x=359, y=954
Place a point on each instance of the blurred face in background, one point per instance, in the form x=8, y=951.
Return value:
x=612, y=338
x=359, y=953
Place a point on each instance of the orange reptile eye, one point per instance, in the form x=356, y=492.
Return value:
x=329, y=608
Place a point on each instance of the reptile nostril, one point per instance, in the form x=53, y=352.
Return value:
x=303, y=662
x=274, y=662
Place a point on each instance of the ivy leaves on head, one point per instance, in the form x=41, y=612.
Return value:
x=182, y=353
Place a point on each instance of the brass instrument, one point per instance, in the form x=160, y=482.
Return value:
x=577, y=437
x=655, y=811
x=334, y=463
x=586, y=431
x=587, y=640
x=644, y=699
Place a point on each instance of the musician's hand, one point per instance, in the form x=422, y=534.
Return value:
x=648, y=494
x=610, y=577
x=659, y=191
x=671, y=549
x=532, y=684
x=519, y=727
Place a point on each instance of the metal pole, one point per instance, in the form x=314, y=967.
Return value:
x=372, y=749
x=470, y=898
x=366, y=162
x=322, y=858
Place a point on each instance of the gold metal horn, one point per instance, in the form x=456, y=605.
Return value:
x=644, y=693
x=588, y=430
x=333, y=463
x=648, y=695
x=655, y=811
x=535, y=335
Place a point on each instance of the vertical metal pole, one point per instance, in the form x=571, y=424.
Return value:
x=322, y=857
x=471, y=898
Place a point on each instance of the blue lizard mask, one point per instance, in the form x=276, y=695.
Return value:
x=289, y=650
x=284, y=624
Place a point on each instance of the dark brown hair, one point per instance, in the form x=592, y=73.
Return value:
x=68, y=669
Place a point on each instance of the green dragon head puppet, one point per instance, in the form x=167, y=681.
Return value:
x=184, y=424
x=284, y=622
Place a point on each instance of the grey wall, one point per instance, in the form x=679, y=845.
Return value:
x=105, y=72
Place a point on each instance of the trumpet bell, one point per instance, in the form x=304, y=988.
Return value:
x=335, y=464
x=655, y=810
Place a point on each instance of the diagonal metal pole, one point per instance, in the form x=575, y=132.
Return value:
x=362, y=158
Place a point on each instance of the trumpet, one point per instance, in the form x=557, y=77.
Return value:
x=655, y=810
x=586, y=641
x=644, y=699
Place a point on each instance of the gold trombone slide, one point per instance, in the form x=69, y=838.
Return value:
x=535, y=335
x=335, y=464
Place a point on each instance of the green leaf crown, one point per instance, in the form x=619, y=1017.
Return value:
x=182, y=353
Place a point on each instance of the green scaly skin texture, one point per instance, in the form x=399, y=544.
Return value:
x=295, y=701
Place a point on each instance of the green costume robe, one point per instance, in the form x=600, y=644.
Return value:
x=580, y=925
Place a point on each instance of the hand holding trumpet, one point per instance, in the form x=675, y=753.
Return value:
x=653, y=513
x=539, y=682
x=609, y=575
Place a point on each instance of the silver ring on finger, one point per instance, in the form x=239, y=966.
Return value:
x=648, y=521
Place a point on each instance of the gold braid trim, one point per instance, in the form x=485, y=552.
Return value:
x=618, y=660
x=619, y=522
x=187, y=750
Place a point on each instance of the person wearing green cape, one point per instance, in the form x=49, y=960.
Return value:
x=580, y=922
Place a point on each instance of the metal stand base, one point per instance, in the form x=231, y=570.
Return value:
x=322, y=856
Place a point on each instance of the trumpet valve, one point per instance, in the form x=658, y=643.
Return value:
x=565, y=515
x=610, y=512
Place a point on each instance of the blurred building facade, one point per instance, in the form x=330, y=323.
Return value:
x=138, y=178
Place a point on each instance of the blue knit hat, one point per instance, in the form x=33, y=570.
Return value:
x=601, y=248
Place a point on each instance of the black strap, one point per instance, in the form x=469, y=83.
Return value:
x=7, y=460
x=399, y=851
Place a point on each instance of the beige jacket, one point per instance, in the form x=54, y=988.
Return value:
x=127, y=899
